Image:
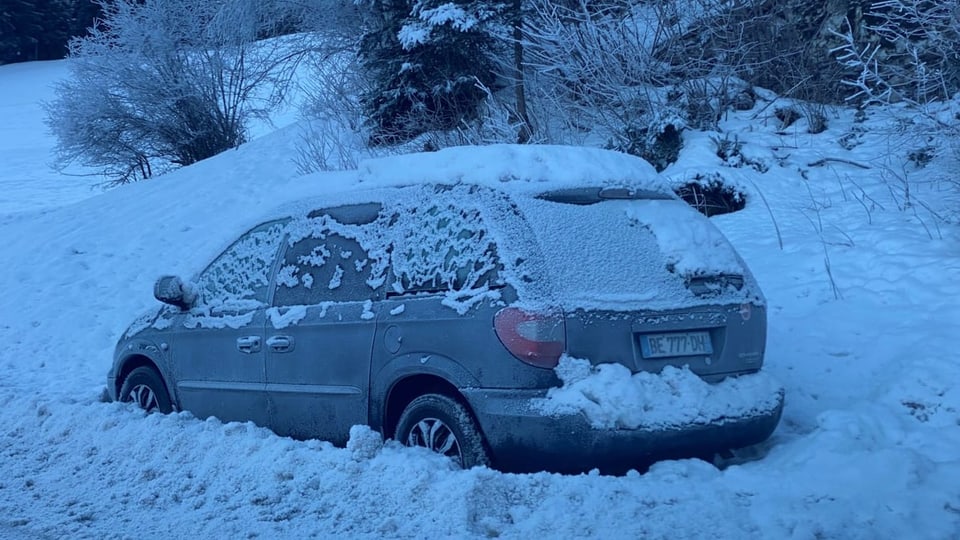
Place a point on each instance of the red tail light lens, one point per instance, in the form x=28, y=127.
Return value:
x=535, y=338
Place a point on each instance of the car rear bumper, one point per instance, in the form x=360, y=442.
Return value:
x=522, y=439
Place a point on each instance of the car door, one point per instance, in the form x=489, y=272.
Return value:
x=320, y=330
x=218, y=346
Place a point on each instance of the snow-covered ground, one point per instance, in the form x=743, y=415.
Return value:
x=864, y=323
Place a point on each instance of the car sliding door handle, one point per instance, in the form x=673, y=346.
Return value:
x=248, y=344
x=280, y=343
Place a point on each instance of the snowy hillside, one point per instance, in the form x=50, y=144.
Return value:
x=864, y=320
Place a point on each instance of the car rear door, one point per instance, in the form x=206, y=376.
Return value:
x=320, y=330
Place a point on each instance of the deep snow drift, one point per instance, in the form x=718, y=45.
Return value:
x=863, y=318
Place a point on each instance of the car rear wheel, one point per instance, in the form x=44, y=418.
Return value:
x=443, y=425
x=144, y=388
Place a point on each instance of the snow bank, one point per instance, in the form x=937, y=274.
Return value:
x=613, y=398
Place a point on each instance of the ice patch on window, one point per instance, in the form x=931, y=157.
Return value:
x=287, y=276
x=318, y=257
x=282, y=318
x=307, y=280
x=647, y=263
x=370, y=237
x=336, y=279
x=611, y=397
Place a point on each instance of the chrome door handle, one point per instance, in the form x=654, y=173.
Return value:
x=248, y=344
x=280, y=343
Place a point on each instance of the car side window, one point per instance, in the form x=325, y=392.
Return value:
x=239, y=279
x=326, y=261
x=443, y=248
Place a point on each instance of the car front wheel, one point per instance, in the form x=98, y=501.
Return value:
x=443, y=425
x=146, y=390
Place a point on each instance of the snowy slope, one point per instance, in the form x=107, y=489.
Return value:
x=869, y=446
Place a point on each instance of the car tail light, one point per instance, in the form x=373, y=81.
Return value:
x=535, y=338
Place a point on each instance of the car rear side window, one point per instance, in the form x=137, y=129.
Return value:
x=325, y=261
x=443, y=248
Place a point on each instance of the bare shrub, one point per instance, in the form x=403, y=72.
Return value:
x=816, y=116
x=165, y=83
x=786, y=115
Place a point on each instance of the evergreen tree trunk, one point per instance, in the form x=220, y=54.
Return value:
x=519, y=89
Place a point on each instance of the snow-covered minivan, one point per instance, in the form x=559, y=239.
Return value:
x=526, y=307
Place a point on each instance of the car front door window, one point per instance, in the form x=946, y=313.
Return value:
x=239, y=279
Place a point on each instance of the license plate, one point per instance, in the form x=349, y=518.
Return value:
x=675, y=344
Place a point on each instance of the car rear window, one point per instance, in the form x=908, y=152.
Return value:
x=625, y=254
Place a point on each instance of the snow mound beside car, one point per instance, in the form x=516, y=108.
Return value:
x=613, y=398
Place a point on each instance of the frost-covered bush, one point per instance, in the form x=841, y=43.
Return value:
x=703, y=111
x=657, y=142
x=909, y=51
x=161, y=83
x=908, y=55
x=816, y=115
x=590, y=68
x=730, y=152
x=786, y=115
x=782, y=45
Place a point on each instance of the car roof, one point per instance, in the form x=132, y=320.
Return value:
x=517, y=170
x=514, y=168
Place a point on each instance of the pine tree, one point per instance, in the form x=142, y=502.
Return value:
x=9, y=41
x=34, y=30
x=429, y=61
x=55, y=28
x=85, y=12
x=21, y=25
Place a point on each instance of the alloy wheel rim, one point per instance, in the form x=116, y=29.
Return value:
x=144, y=397
x=435, y=435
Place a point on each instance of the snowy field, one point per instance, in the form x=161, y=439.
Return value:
x=864, y=324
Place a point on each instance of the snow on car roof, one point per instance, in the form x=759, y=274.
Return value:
x=515, y=168
x=524, y=168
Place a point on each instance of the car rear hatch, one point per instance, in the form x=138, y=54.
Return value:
x=646, y=281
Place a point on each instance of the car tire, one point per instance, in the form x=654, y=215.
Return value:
x=145, y=389
x=444, y=425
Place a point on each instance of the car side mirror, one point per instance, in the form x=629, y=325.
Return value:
x=172, y=290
